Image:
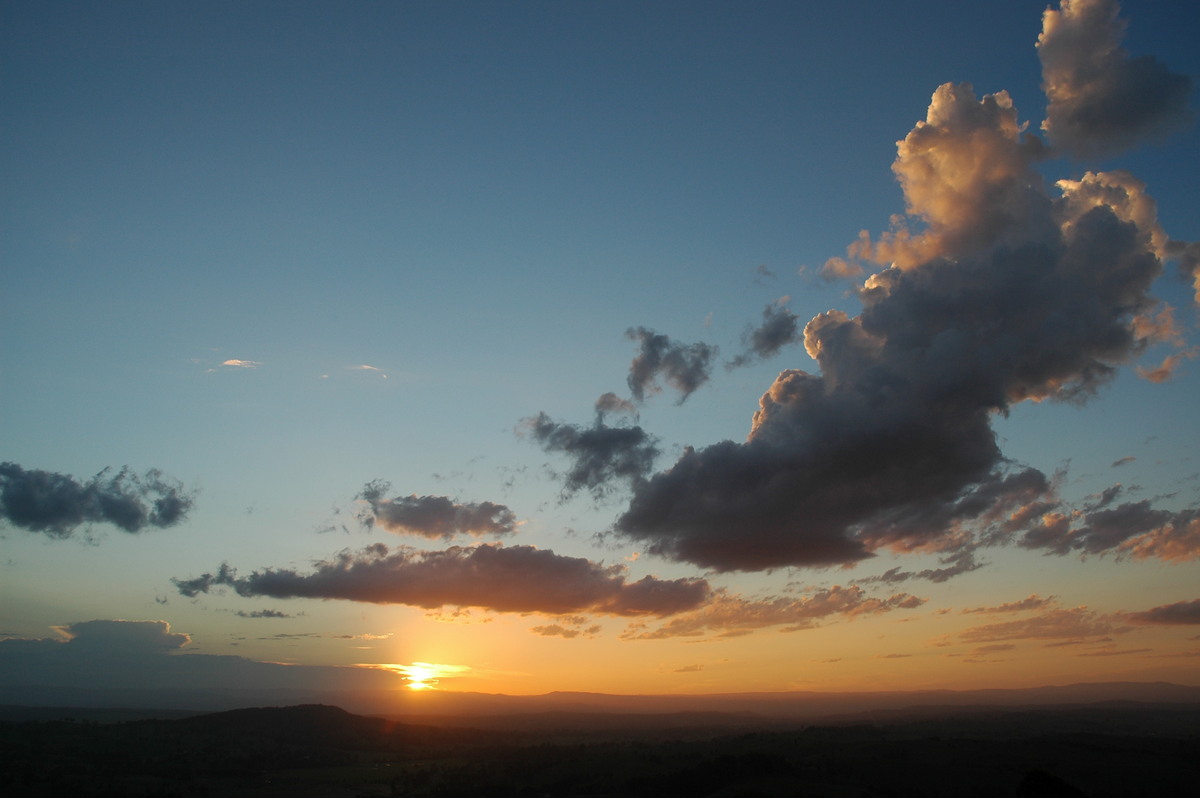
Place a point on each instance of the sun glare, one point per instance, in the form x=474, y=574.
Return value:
x=424, y=675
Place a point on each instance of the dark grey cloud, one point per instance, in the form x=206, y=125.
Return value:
x=780, y=327
x=685, y=367
x=1101, y=99
x=504, y=579
x=58, y=504
x=1002, y=291
x=262, y=614
x=1181, y=613
x=433, y=516
x=601, y=456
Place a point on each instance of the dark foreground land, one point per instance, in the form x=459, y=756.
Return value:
x=1114, y=749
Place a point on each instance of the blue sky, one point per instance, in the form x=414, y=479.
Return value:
x=281, y=250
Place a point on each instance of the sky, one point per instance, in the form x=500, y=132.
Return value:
x=617, y=347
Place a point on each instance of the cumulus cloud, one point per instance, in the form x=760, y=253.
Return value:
x=685, y=367
x=601, y=456
x=433, y=516
x=122, y=636
x=728, y=615
x=994, y=290
x=58, y=504
x=1181, y=613
x=241, y=364
x=780, y=327
x=504, y=579
x=1101, y=99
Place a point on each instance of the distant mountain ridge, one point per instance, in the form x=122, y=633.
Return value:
x=433, y=704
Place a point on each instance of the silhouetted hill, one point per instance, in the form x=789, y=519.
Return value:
x=316, y=750
x=326, y=726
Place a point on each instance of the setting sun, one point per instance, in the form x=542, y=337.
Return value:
x=424, y=675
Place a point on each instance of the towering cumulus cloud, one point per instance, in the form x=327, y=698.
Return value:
x=58, y=504
x=994, y=291
x=1101, y=99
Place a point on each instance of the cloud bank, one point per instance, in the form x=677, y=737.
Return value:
x=143, y=655
x=521, y=579
x=58, y=504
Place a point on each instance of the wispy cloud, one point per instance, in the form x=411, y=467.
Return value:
x=1072, y=623
x=1180, y=613
x=1031, y=602
x=729, y=615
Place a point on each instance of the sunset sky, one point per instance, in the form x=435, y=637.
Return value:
x=621, y=347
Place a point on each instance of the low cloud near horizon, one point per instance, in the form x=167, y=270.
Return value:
x=147, y=655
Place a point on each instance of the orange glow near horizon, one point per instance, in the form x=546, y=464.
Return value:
x=423, y=675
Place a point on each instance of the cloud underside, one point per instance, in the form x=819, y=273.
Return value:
x=994, y=290
x=58, y=504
